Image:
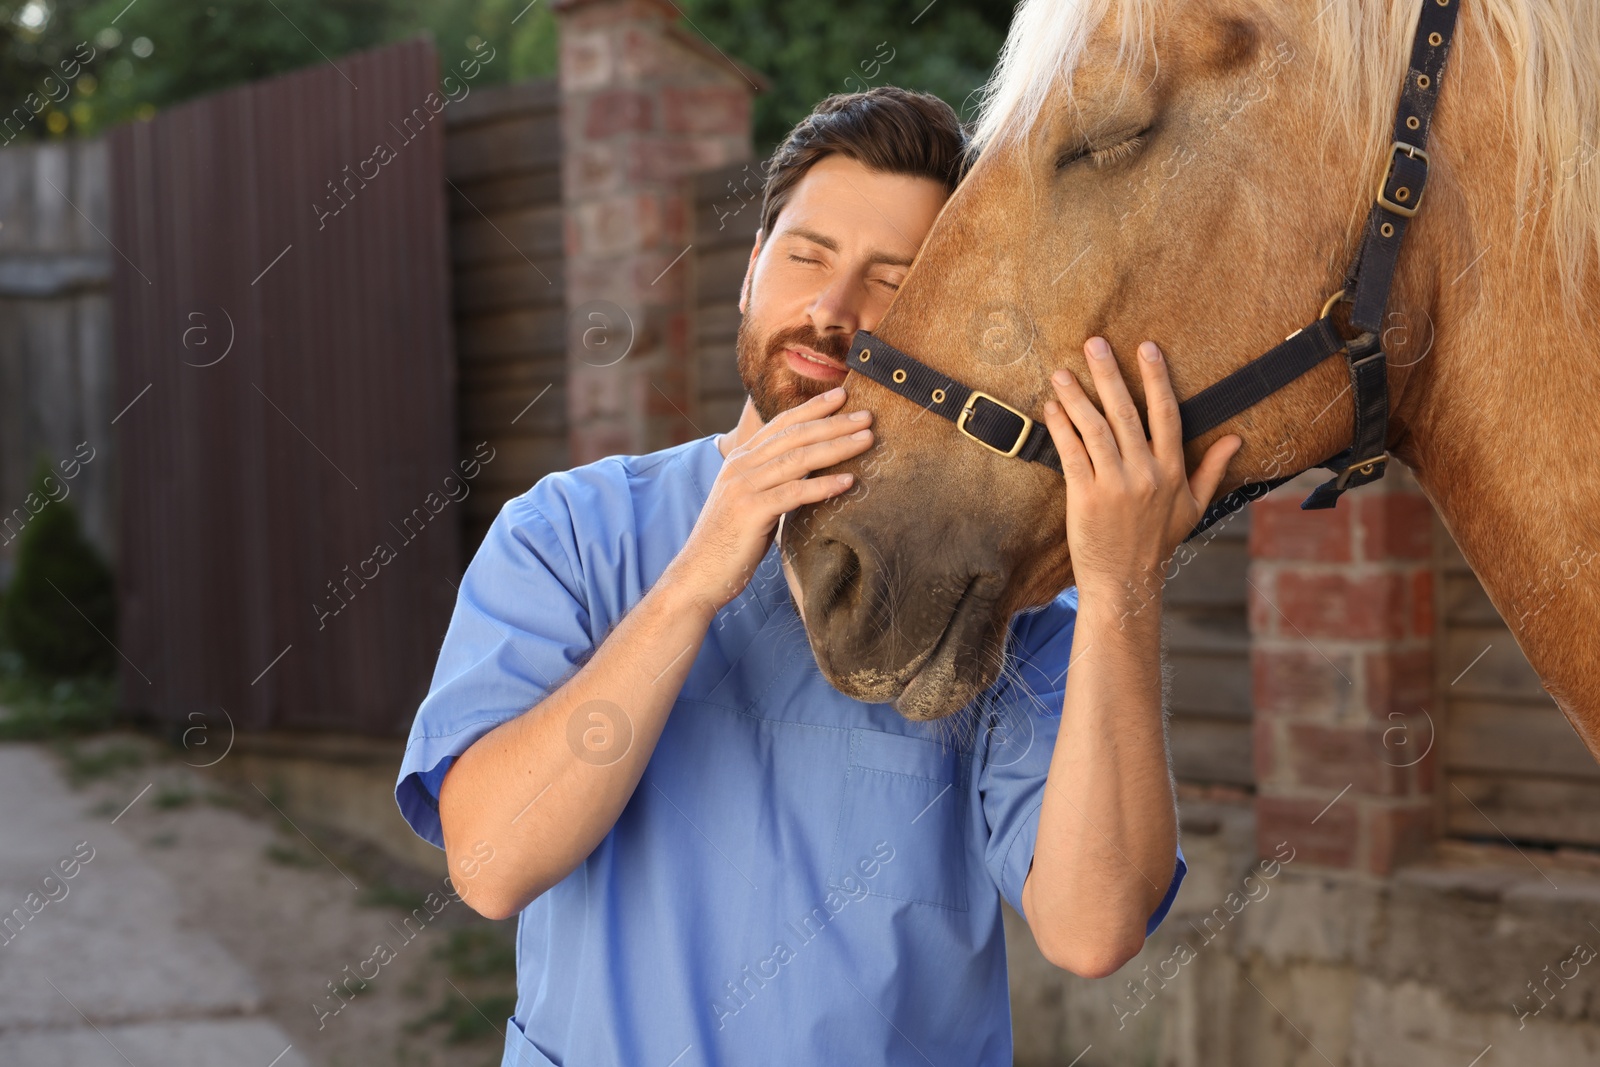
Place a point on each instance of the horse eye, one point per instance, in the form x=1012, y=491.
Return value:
x=1104, y=155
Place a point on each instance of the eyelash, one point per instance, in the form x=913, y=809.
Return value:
x=1108, y=156
x=891, y=286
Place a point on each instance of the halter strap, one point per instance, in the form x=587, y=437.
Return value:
x=1008, y=431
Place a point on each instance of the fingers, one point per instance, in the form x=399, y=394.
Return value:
x=1161, y=407
x=818, y=407
x=786, y=496
x=798, y=434
x=1098, y=438
x=810, y=446
x=1120, y=411
x=1074, y=460
x=1208, y=475
x=803, y=439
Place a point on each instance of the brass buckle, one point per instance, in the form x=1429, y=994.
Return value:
x=1365, y=468
x=1383, y=201
x=1326, y=308
x=966, y=412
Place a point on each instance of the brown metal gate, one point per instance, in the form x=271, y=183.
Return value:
x=290, y=476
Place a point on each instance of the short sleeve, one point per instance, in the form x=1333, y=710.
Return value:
x=520, y=626
x=1022, y=719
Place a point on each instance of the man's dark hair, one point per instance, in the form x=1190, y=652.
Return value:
x=887, y=128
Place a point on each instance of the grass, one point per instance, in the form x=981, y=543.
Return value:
x=89, y=763
x=385, y=895
x=466, y=1022
x=224, y=799
x=288, y=856
x=40, y=709
x=483, y=961
x=173, y=796
x=479, y=952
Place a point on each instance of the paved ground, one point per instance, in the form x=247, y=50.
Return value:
x=107, y=971
x=198, y=927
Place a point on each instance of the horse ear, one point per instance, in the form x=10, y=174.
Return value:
x=749, y=272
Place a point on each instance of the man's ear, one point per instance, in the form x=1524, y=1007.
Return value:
x=749, y=272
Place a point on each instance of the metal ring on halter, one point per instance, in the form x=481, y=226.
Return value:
x=1332, y=300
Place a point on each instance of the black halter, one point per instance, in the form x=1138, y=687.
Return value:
x=1002, y=428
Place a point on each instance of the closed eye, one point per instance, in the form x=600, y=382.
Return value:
x=800, y=259
x=1106, y=155
x=1110, y=157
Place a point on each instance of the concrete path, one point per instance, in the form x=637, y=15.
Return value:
x=100, y=968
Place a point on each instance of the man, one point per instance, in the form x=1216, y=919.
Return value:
x=715, y=857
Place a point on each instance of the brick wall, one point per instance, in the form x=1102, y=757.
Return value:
x=1341, y=615
x=645, y=105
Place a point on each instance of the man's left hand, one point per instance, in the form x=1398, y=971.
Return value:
x=1130, y=498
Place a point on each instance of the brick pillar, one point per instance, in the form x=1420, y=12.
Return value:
x=1341, y=618
x=644, y=104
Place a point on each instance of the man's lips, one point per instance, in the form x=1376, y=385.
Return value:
x=813, y=363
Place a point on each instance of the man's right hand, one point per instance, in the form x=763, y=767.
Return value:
x=760, y=481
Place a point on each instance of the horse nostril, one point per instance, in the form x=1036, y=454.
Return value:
x=842, y=574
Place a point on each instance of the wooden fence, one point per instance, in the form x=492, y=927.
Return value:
x=55, y=344
x=503, y=174
x=1513, y=763
x=727, y=213
x=291, y=465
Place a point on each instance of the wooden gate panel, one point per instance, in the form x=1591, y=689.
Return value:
x=259, y=485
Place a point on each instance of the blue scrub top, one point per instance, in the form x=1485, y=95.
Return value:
x=799, y=878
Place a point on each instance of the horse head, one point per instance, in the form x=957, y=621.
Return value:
x=1195, y=174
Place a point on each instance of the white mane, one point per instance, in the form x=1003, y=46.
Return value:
x=1553, y=47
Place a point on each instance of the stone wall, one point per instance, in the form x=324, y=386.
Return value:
x=1473, y=958
x=1342, y=629
x=645, y=105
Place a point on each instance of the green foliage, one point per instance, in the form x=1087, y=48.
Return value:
x=468, y=1022
x=388, y=895
x=173, y=795
x=194, y=47
x=42, y=81
x=525, y=48
x=809, y=49
x=36, y=709
x=482, y=960
x=479, y=952
x=92, y=762
x=161, y=52
x=60, y=610
x=289, y=856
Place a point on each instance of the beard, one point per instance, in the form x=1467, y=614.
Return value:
x=772, y=386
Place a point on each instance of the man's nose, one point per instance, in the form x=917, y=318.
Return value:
x=837, y=309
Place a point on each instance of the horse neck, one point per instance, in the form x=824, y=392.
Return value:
x=1498, y=419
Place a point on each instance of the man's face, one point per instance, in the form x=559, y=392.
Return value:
x=837, y=253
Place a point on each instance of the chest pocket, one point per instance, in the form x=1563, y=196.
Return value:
x=904, y=798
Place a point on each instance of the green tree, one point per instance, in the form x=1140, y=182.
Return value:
x=523, y=35
x=46, y=68
x=163, y=52
x=809, y=49
x=59, y=612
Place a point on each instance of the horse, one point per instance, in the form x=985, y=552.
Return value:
x=1199, y=174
